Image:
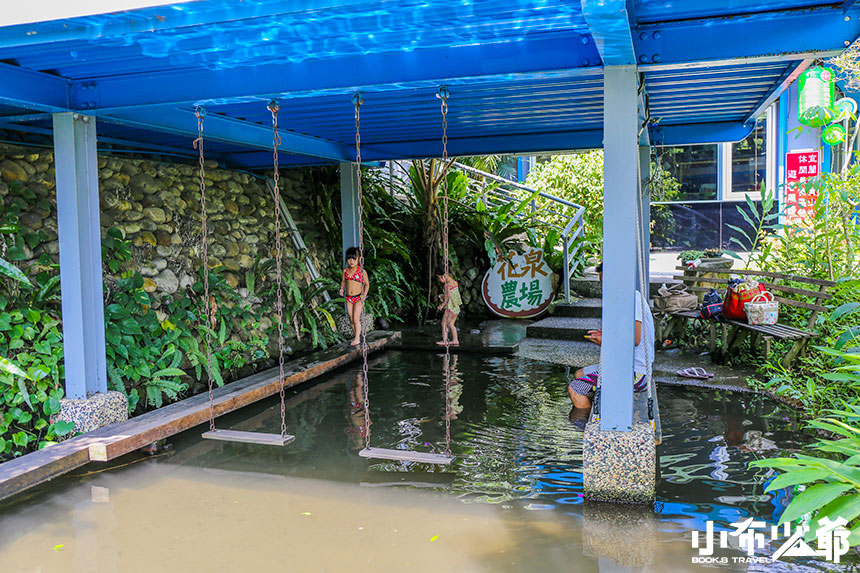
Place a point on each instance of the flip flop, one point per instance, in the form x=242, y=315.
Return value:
x=695, y=372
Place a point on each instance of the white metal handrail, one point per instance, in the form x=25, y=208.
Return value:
x=570, y=234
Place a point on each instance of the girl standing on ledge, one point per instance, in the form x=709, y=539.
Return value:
x=354, y=284
x=451, y=303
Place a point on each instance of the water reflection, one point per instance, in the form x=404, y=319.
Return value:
x=518, y=464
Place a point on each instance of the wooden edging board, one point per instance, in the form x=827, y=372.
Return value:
x=118, y=439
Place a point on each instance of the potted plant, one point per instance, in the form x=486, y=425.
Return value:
x=708, y=258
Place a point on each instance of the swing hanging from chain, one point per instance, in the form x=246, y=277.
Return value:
x=283, y=438
x=393, y=454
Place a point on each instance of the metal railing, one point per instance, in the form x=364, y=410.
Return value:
x=564, y=215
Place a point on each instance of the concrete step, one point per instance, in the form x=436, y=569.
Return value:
x=584, y=308
x=574, y=353
x=562, y=328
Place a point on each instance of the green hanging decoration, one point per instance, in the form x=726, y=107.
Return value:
x=817, y=93
x=834, y=134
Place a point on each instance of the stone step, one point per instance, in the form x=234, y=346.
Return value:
x=574, y=353
x=584, y=308
x=562, y=328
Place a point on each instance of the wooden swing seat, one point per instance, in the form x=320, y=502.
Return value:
x=249, y=437
x=406, y=456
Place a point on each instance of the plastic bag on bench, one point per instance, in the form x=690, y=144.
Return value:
x=675, y=298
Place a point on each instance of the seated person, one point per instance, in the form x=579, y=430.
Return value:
x=581, y=390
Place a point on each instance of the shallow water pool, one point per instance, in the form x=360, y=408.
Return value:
x=512, y=499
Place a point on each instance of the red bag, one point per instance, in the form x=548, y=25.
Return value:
x=737, y=295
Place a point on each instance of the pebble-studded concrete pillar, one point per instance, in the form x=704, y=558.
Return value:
x=619, y=466
x=94, y=412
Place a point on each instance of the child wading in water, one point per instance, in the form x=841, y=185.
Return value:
x=451, y=303
x=354, y=284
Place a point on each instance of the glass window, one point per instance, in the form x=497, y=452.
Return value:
x=695, y=169
x=749, y=163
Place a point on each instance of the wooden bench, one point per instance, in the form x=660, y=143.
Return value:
x=733, y=332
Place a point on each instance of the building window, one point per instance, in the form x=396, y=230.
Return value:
x=748, y=164
x=695, y=169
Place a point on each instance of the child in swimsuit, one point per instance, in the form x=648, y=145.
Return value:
x=451, y=303
x=354, y=284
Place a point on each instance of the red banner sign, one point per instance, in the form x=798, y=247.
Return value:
x=799, y=199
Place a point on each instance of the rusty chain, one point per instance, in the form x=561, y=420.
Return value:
x=200, y=112
x=357, y=100
x=443, y=94
x=274, y=107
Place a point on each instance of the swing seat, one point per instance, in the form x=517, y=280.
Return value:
x=406, y=456
x=249, y=437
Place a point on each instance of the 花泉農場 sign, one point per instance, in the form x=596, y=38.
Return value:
x=519, y=286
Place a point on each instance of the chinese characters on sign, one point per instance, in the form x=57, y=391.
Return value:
x=519, y=286
x=799, y=199
x=752, y=534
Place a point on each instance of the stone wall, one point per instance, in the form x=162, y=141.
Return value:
x=156, y=205
x=474, y=264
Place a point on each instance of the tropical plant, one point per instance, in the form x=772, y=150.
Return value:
x=144, y=355
x=577, y=178
x=828, y=484
x=759, y=220
x=662, y=186
x=31, y=349
x=831, y=480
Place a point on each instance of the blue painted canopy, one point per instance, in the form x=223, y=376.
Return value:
x=525, y=76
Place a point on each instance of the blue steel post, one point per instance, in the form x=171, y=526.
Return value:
x=620, y=202
x=645, y=229
x=76, y=164
x=349, y=207
x=782, y=147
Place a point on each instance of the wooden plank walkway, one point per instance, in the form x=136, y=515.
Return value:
x=119, y=439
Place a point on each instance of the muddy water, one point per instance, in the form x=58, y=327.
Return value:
x=511, y=500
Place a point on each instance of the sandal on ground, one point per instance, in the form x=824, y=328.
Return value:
x=695, y=372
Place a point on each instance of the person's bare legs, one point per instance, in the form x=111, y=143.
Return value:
x=354, y=312
x=579, y=401
x=444, y=341
x=452, y=318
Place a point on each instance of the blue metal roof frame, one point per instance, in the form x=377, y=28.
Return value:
x=525, y=76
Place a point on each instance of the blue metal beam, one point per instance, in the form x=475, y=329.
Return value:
x=229, y=130
x=791, y=74
x=76, y=162
x=685, y=134
x=695, y=133
x=772, y=36
x=133, y=146
x=609, y=23
x=371, y=72
x=169, y=17
x=33, y=90
x=848, y=4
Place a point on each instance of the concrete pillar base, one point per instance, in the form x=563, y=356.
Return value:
x=619, y=466
x=344, y=326
x=626, y=534
x=94, y=412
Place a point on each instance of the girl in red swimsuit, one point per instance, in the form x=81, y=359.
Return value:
x=354, y=284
